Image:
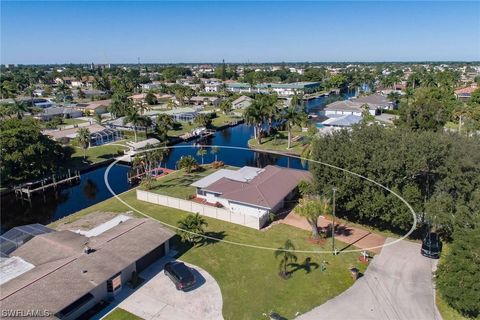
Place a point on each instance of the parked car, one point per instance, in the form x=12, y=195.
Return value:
x=431, y=246
x=180, y=274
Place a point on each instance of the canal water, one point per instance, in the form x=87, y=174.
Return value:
x=92, y=189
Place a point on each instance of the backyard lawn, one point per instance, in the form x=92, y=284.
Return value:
x=279, y=142
x=177, y=184
x=94, y=155
x=248, y=277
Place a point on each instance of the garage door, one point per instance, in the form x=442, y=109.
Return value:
x=150, y=258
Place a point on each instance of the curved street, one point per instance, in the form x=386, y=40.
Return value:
x=396, y=286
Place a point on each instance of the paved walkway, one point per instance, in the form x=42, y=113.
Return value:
x=396, y=286
x=350, y=235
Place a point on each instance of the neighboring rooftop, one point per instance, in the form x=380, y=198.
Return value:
x=268, y=188
x=243, y=174
x=64, y=272
x=343, y=121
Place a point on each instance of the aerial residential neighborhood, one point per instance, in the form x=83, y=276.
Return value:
x=240, y=160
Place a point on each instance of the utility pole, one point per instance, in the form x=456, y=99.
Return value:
x=333, y=222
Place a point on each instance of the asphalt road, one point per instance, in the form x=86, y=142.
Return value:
x=396, y=286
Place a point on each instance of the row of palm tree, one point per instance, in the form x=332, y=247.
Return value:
x=264, y=110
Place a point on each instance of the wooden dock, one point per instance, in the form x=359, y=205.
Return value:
x=134, y=175
x=26, y=190
x=190, y=136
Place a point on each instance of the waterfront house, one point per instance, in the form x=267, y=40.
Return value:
x=282, y=89
x=242, y=102
x=94, y=107
x=251, y=191
x=98, y=134
x=373, y=103
x=67, y=273
x=342, y=121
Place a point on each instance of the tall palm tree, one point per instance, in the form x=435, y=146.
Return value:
x=311, y=208
x=201, y=153
x=18, y=108
x=83, y=138
x=132, y=116
x=142, y=106
x=286, y=255
x=263, y=108
x=293, y=116
x=214, y=151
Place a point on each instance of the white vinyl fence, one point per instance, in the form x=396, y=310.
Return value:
x=204, y=210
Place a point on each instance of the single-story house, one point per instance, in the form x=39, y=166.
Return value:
x=465, y=93
x=64, y=112
x=251, y=191
x=242, y=102
x=65, y=273
x=98, y=134
x=374, y=102
x=94, y=107
x=202, y=100
x=342, y=121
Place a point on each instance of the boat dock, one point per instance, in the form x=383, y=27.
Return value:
x=197, y=134
x=26, y=190
x=135, y=175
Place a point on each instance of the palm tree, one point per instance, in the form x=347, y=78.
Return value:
x=18, y=108
x=141, y=106
x=83, y=138
x=201, y=153
x=311, y=208
x=262, y=108
x=192, y=227
x=293, y=116
x=188, y=163
x=132, y=116
x=163, y=123
x=286, y=255
x=214, y=151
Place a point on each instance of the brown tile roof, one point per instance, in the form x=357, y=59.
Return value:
x=54, y=284
x=466, y=90
x=266, y=190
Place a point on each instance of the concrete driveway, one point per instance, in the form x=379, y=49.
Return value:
x=159, y=299
x=396, y=286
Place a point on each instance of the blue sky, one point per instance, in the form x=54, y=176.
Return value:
x=202, y=31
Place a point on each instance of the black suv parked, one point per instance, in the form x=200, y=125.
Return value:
x=180, y=274
x=431, y=246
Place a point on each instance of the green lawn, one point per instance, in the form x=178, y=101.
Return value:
x=94, y=155
x=248, y=277
x=177, y=184
x=120, y=314
x=223, y=119
x=280, y=143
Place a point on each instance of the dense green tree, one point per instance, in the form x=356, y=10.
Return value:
x=430, y=109
x=26, y=152
x=150, y=98
x=437, y=173
x=163, y=123
x=458, y=273
x=203, y=120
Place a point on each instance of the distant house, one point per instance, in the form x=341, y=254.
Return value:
x=98, y=134
x=63, y=274
x=87, y=82
x=213, y=87
x=151, y=85
x=282, y=89
x=64, y=112
x=203, y=100
x=242, y=102
x=94, y=107
x=251, y=191
x=374, y=103
x=465, y=93
x=343, y=121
